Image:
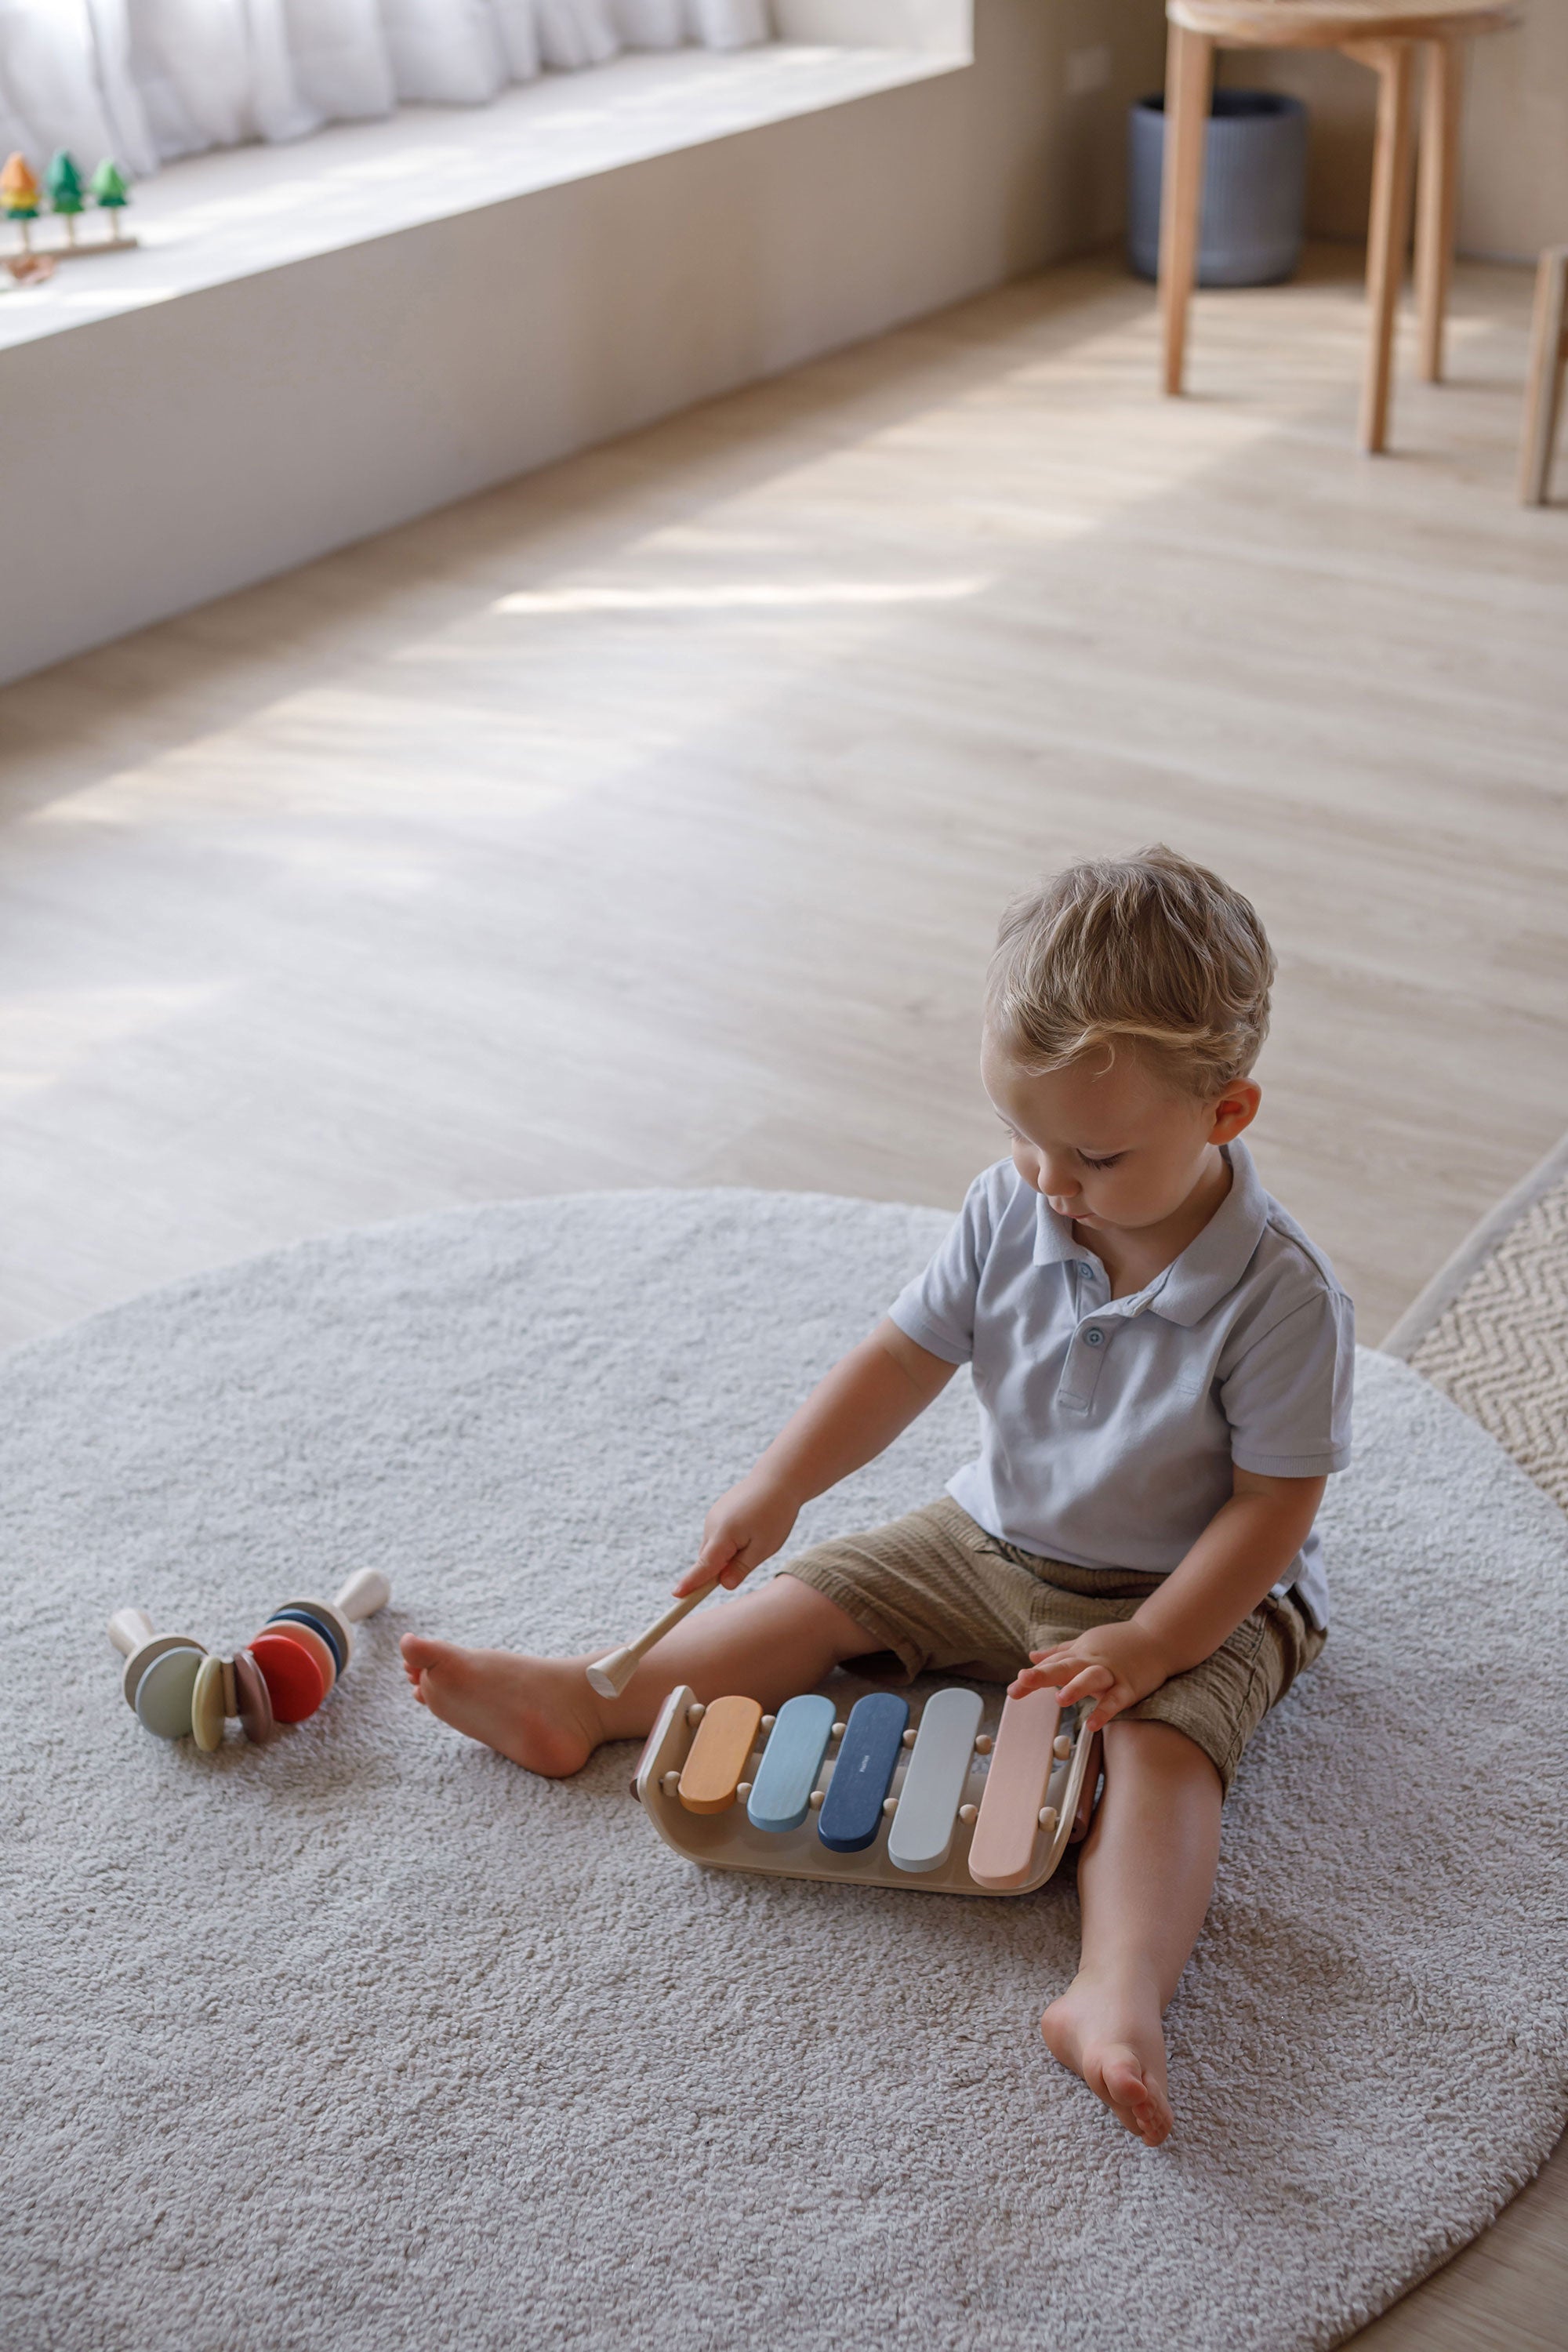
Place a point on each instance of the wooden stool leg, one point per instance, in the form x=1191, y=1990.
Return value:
x=1388, y=232
x=1437, y=197
x=1548, y=363
x=1189, y=78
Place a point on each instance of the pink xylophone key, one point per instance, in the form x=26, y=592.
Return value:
x=1001, y=1850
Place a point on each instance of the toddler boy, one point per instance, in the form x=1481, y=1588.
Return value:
x=1163, y=1363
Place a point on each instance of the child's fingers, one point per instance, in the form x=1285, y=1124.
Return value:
x=1090, y=1682
x=717, y=1557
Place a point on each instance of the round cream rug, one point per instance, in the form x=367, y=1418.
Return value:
x=367, y=2040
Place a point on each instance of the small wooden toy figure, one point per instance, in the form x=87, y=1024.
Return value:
x=63, y=181
x=111, y=195
x=19, y=196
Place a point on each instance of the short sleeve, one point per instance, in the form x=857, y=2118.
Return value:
x=1287, y=1399
x=937, y=1309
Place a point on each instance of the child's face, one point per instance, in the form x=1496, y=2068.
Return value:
x=1116, y=1148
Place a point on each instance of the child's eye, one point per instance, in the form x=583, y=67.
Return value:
x=1087, y=1163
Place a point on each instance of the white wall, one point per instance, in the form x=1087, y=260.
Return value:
x=169, y=454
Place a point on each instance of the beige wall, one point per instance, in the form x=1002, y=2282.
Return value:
x=191, y=446
x=1514, y=194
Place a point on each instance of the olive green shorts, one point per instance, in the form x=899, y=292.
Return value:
x=941, y=1593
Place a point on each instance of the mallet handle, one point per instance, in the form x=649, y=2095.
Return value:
x=128, y=1628
x=366, y=1591
x=609, y=1676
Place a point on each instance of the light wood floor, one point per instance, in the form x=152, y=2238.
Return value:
x=646, y=823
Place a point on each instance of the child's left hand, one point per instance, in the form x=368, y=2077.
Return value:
x=1116, y=1665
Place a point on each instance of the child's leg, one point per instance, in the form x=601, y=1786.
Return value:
x=1144, y=1879
x=542, y=1712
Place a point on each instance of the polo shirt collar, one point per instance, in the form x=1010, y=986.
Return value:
x=1209, y=1267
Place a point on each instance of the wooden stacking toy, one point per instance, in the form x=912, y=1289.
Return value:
x=176, y=1686
x=971, y=1800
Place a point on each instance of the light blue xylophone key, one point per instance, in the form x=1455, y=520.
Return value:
x=938, y=1766
x=780, y=1794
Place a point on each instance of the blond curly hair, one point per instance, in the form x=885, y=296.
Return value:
x=1151, y=948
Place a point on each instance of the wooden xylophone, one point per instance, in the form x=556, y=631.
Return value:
x=966, y=1801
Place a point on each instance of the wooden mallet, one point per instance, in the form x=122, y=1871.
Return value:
x=609, y=1676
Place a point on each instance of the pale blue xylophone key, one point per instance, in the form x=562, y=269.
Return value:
x=780, y=1794
x=938, y=1766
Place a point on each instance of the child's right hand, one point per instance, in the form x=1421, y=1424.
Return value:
x=744, y=1527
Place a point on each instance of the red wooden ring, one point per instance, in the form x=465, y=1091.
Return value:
x=294, y=1681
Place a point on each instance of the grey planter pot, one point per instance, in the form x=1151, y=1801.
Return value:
x=1255, y=188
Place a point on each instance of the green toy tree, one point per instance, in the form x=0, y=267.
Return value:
x=63, y=181
x=19, y=196
x=109, y=192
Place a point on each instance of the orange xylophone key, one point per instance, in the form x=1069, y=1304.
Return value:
x=725, y=1739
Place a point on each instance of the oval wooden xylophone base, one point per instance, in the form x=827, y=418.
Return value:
x=727, y=1840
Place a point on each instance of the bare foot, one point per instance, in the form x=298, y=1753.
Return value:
x=1112, y=2035
x=538, y=1711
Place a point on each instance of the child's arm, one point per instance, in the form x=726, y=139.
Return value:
x=1241, y=1554
x=875, y=1392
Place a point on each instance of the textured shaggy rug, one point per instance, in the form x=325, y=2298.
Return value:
x=366, y=2039
x=1492, y=1329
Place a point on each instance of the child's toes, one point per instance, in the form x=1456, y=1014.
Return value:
x=1139, y=2105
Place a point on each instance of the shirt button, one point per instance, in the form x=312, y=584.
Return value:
x=1094, y=1338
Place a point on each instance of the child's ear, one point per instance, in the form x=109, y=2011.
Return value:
x=1234, y=1108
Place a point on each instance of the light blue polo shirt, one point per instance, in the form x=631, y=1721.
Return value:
x=1108, y=1427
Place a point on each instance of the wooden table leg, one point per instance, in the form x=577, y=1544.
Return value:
x=1189, y=78
x=1388, y=232
x=1548, y=362
x=1437, y=197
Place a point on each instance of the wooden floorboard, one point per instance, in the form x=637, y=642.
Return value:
x=646, y=822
